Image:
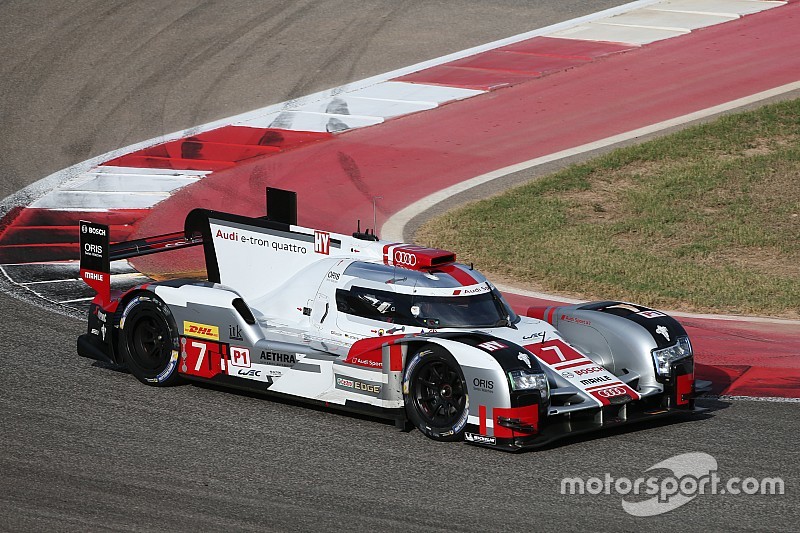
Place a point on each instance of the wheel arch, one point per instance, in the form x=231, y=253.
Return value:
x=147, y=338
x=485, y=376
x=122, y=304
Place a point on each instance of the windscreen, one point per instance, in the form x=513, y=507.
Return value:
x=473, y=311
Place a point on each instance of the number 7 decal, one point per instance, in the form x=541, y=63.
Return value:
x=201, y=356
x=558, y=352
x=554, y=352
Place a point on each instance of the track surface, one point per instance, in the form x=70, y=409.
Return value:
x=89, y=448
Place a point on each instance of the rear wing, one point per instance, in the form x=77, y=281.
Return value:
x=254, y=255
x=97, y=252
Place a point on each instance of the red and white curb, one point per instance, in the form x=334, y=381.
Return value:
x=121, y=186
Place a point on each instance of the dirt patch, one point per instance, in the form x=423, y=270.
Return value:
x=766, y=261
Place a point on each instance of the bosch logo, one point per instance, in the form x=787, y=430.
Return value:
x=92, y=230
x=405, y=258
x=610, y=393
x=590, y=370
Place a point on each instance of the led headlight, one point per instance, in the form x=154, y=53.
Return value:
x=664, y=358
x=525, y=380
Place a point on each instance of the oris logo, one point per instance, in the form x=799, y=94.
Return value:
x=405, y=258
x=610, y=393
x=486, y=384
x=590, y=370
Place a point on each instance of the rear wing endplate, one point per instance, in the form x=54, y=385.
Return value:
x=97, y=252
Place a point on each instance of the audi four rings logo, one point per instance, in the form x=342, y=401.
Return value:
x=405, y=258
x=609, y=393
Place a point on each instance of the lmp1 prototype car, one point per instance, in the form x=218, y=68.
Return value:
x=394, y=330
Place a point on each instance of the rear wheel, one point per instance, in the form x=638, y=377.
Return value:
x=435, y=394
x=148, y=341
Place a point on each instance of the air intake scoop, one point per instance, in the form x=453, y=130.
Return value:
x=416, y=257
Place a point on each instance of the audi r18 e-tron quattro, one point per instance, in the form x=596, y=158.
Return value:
x=390, y=329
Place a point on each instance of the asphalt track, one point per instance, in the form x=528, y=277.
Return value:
x=86, y=447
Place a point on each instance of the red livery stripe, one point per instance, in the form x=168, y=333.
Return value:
x=579, y=363
x=459, y=274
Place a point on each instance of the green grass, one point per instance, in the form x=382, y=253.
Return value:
x=706, y=219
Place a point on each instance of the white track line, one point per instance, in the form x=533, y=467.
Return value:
x=76, y=300
x=775, y=399
x=30, y=193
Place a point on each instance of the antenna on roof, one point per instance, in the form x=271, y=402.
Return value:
x=375, y=213
x=366, y=236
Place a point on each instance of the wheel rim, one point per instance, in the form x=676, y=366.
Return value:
x=151, y=343
x=440, y=396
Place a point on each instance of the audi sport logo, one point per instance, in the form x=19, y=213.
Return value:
x=405, y=258
x=611, y=392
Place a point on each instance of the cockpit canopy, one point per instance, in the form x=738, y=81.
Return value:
x=452, y=296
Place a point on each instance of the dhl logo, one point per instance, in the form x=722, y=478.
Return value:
x=203, y=331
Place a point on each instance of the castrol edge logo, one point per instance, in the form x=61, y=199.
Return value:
x=201, y=331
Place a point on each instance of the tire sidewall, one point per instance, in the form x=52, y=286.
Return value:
x=429, y=354
x=138, y=307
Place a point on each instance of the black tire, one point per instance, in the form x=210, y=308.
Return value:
x=435, y=394
x=148, y=341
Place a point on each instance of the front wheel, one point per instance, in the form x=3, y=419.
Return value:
x=148, y=341
x=435, y=394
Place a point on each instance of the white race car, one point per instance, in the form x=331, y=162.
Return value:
x=390, y=329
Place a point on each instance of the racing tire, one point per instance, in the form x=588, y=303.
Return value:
x=435, y=394
x=149, y=341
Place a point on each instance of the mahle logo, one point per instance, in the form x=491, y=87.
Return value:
x=201, y=331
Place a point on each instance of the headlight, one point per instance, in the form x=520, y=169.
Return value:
x=524, y=380
x=666, y=356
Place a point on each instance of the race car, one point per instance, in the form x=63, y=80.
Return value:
x=389, y=329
